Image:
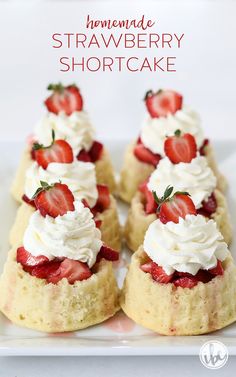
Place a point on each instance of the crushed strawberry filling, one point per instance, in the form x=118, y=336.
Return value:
x=181, y=279
x=59, y=268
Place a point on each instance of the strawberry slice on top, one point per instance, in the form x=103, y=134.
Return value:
x=57, y=151
x=64, y=98
x=171, y=208
x=180, y=148
x=163, y=102
x=54, y=200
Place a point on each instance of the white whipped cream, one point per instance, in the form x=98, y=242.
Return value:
x=192, y=244
x=195, y=177
x=79, y=176
x=155, y=130
x=73, y=235
x=76, y=129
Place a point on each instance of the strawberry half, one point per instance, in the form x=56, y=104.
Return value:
x=70, y=269
x=180, y=148
x=107, y=253
x=58, y=151
x=145, y=155
x=163, y=102
x=27, y=259
x=103, y=201
x=150, y=203
x=172, y=208
x=64, y=98
x=54, y=200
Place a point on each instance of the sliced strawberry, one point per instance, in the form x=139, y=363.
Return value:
x=147, y=267
x=103, y=201
x=180, y=148
x=98, y=223
x=85, y=203
x=218, y=270
x=179, y=205
x=67, y=99
x=107, y=253
x=186, y=282
x=58, y=151
x=28, y=201
x=96, y=151
x=202, y=149
x=83, y=156
x=32, y=154
x=145, y=155
x=27, y=259
x=202, y=275
x=210, y=205
x=70, y=269
x=150, y=203
x=45, y=270
x=163, y=102
x=54, y=200
x=159, y=275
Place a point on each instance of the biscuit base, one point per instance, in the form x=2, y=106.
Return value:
x=110, y=228
x=138, y=221
x=103, y=167
x=135, y=172
x=168, y=310
x=31, y=302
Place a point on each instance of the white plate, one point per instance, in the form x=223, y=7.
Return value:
x=119, y=335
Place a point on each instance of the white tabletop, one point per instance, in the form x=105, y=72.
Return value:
x=110, y=366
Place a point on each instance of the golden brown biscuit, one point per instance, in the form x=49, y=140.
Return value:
x=168, y=310
x=31, y=302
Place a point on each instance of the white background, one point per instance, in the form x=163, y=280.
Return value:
x=205, y=63
x=206, y=77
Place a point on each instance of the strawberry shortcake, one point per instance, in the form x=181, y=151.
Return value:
x=188, y=171
x=60, y=277
x=166, y=114
x=71, y=123
x=182, y=280
x=56, y=163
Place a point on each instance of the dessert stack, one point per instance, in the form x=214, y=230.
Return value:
x=58, y=275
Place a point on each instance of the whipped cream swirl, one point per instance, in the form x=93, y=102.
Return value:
x=79, y=176
x=73, y=235
x=155, y=130
x=195, y=177
x=192, y=244
x=76, y=129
